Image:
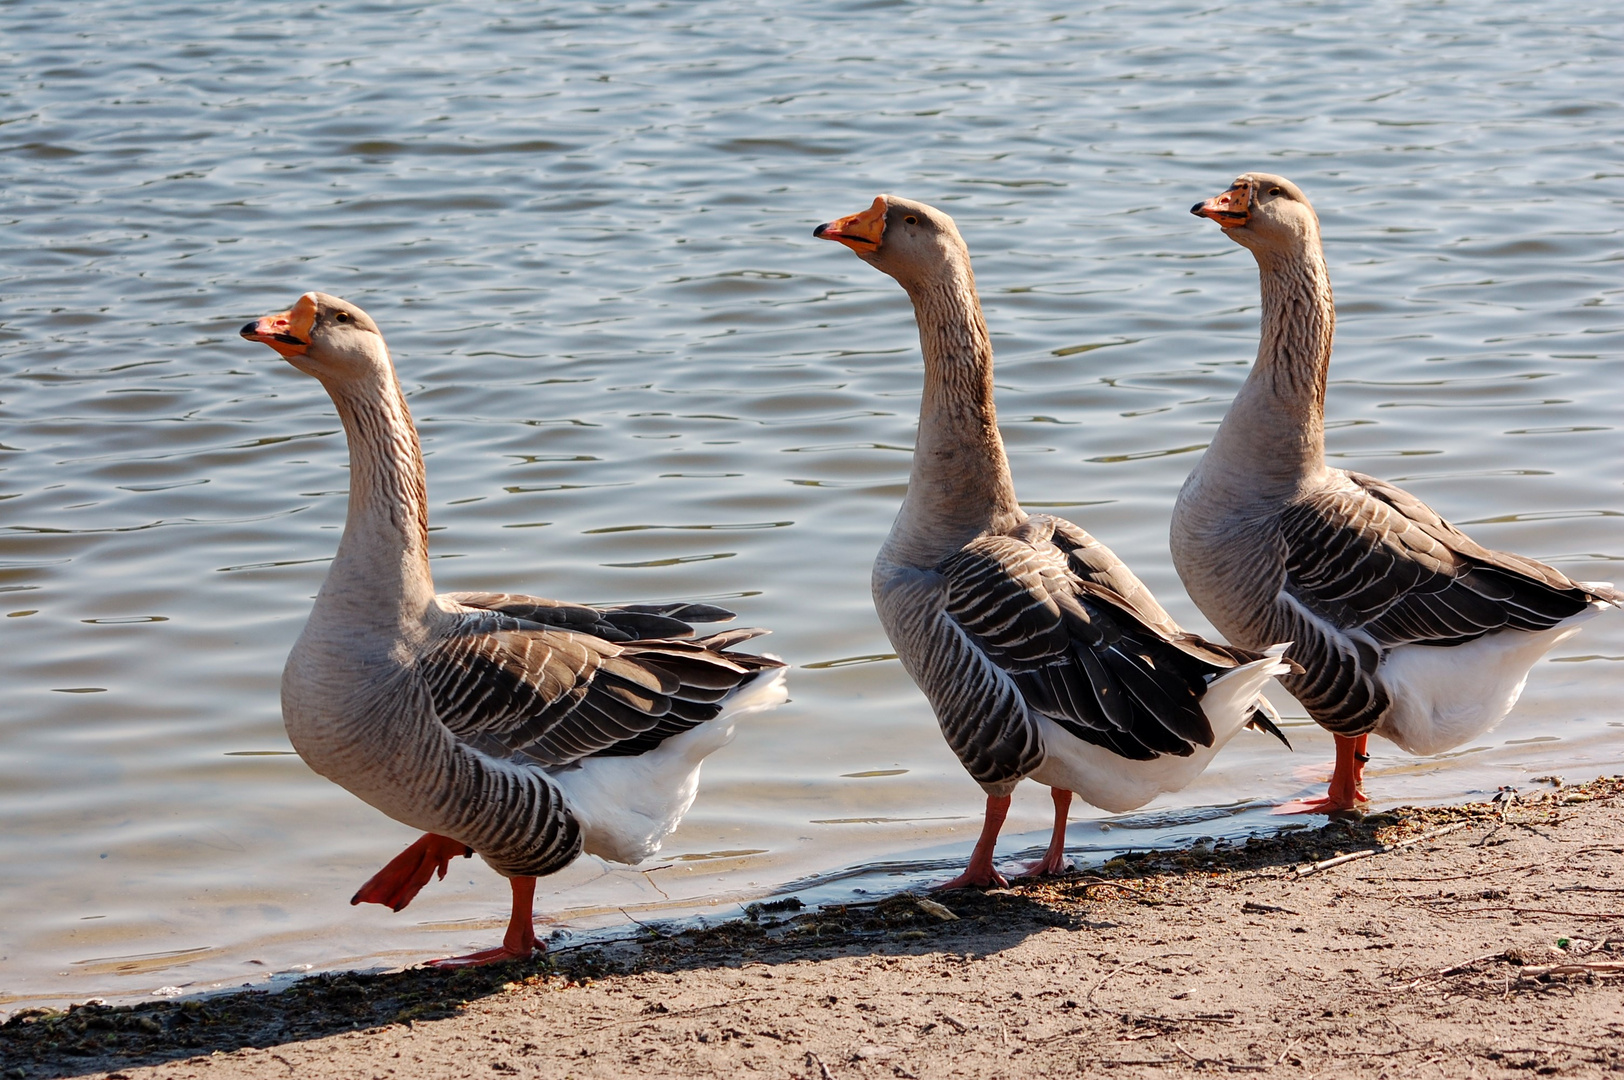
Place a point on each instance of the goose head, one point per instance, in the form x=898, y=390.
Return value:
x=908, y=240
x=1264, y=213
x=323, y=336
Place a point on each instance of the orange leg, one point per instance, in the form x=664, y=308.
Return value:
x=1054, y=860
x=1347, y=781
x=980, y=873
x=407, y=873
x=520, y=940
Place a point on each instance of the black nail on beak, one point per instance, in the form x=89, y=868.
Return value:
x=818, y=232
x=250, y=330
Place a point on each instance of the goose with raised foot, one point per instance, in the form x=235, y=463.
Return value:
x=1403, y=626
x=1041, y=653
x=520, y=729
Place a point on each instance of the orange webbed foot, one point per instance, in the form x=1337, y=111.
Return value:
x=1326, y=805
x=520, y=941
x=974, y=878
x=1048, y=865
x=1054, y=860
x=407, y=873
x=1347, y=782
x=498, y=955
x=981, y=874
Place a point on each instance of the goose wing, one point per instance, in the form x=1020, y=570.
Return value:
x=519, y=676
x=1047, y=613
x=1368, y=568
x=1370, y=557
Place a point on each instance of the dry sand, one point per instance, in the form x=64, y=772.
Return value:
x=1493, y=946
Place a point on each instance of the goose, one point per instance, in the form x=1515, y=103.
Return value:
x=1403, y=626
x=521, y=729
x=1040, y=652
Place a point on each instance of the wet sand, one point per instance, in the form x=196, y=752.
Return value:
x=1479, y=940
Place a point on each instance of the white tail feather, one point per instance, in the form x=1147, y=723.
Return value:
x=1115, y=783
x=627, y=806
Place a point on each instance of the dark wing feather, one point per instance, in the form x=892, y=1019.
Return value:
x=1371, y=557
x=559, y=682
x=625, y=622
x=1369, y=567
x=1084, y=640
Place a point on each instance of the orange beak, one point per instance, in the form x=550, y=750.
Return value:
x=1230, y=209
x=287, y=333
x=860, y=232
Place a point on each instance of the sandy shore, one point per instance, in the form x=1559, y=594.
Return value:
x=1481, y=940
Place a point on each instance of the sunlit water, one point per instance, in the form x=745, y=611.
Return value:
x=586, y=233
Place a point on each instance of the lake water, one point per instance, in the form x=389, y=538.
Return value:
x=586, y=232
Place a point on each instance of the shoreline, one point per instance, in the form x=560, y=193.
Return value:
x=1481, y=939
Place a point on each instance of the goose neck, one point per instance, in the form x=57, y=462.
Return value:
x=382, y=561
x=959, y=484
x=1277, y=423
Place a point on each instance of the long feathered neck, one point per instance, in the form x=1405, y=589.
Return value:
x=959, y=485
x=381, y=571
x=1277, y=423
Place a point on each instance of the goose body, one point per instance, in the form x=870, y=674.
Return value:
x=1404, y=626
x=521, y=729
x=1040, y=652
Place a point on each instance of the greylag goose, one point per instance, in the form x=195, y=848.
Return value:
x=1041, y=653
x=521, y=729
x=1402, y=625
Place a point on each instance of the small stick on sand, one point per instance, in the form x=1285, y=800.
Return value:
x=1603, y=968
x=1453, y=969
x=823, y=1070
x=1253, y=907
x=1314, y=868
x=1089, y=997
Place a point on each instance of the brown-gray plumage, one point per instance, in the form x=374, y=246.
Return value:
x=1402, y=624
x=522, y=729
x=1039, y=650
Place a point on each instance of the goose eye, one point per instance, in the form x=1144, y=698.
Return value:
x=1274, y=191
x=342, y=316
x=911, y=220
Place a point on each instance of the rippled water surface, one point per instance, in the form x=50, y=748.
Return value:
x=586, y=232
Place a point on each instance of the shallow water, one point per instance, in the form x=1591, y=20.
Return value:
x=585, y=230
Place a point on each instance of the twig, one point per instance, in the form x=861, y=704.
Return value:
x=1198, y=1062
x=1458, y=877
x=823, y=1070
x=554, y=950
x=1570, y=914
x=1452, y=969
x=1089, y=997
x=646, y=926
x=960, y=1025
x=1382, y=849
x=669, y=1013
x=1198, y=1018
x=1559, y=1042
x=1387, y=1053
x=1265, y=909
x=1574, y=967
